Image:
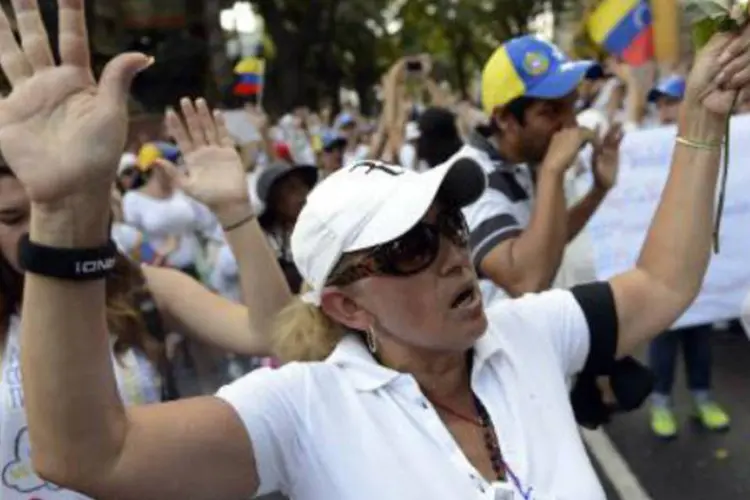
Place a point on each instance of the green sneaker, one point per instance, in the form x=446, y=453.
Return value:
x=663, y=423
x=712, y=417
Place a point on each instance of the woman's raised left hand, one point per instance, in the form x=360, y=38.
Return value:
x=213, y=172
x=721, y=70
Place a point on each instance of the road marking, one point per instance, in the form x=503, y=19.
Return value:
x=614, y=466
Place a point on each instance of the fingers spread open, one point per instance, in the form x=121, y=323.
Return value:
x=194, y=127
x=12, y=59
x=207, y=121
x=176, y=129
x=34, y=38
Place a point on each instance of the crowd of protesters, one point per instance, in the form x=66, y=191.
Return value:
x=408, y=297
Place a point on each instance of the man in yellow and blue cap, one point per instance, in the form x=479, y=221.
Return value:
x=520, y=226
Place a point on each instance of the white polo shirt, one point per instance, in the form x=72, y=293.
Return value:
x=349, y=428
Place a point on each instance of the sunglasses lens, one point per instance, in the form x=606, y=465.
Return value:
x=414, y=251
x=453, y=226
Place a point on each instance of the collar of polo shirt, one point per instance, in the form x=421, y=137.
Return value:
x=368, y=375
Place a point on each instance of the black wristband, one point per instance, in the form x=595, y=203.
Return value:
x=75, y=264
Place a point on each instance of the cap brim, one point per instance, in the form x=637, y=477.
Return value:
x=456, y=183
x=562, y=82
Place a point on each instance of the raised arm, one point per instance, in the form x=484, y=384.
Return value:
x=675, y=255
x=214, y=176
x=526, y=260
x=81, y=435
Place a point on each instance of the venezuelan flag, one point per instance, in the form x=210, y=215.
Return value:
x=250, y=71
x=624, y=28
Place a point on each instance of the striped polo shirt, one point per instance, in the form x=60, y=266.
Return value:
x=502, y=212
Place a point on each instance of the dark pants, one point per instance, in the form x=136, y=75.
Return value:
x=696, y=346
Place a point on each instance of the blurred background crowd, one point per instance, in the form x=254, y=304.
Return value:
x=310, y=86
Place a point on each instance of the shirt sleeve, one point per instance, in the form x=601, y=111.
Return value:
x=491, y=222
x=266, y=401
x=580, y=324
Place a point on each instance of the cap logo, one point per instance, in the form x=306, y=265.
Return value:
x=535, y=63
x=380, y=166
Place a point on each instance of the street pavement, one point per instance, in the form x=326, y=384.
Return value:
x=697, y=465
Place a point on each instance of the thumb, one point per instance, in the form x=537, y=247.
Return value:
x=118, y=75
x=169, y=168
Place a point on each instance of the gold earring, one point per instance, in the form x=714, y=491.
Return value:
x=370, y=338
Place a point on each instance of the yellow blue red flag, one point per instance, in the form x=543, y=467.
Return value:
x=624, y=28
x=250, y=72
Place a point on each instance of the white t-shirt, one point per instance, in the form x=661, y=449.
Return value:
x=348, y=427
x=137, y=380
x=126, y=237
x=225, y=277
x=177, y=216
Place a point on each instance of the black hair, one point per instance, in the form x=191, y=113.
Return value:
x=516, y=108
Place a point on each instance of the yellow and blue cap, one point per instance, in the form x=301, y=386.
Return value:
x=528, y=66
x=152, y=151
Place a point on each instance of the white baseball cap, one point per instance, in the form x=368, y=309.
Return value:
x=369, y=203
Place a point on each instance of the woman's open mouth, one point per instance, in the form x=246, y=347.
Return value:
x=465, y=297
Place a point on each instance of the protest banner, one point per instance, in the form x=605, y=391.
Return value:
x=619, y=227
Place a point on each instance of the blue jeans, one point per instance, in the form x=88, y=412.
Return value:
x=696, y=346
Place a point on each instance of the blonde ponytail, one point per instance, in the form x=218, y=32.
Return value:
x=302, y=332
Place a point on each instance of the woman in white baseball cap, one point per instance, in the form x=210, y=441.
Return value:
x=426, y=394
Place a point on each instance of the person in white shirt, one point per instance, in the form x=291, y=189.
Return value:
x=425, y=394
x=695, y=340
x=163, y=213
x=142, y=303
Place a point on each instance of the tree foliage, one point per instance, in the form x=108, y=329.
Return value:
x=324, y=44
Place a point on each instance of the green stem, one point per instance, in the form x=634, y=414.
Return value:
x=724, y=175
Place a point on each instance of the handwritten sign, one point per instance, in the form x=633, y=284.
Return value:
x=619, y=227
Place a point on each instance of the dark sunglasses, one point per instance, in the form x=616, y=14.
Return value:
x=411, y=253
